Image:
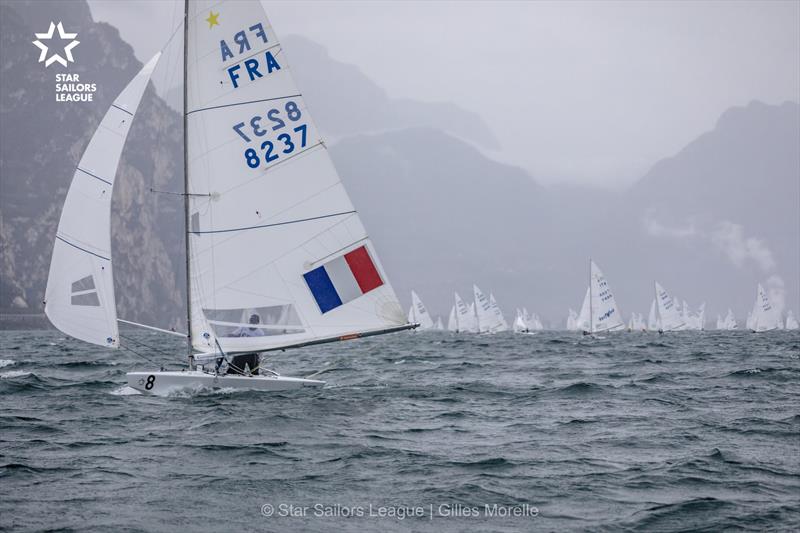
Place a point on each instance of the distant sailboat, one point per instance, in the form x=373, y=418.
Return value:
x=765, y=317
x=729, y=322
x=791, y=321
x=418, y=313
x=572, y=320
x=439, y=326
x=520, y=326
x=603, y=311
x=669, y=318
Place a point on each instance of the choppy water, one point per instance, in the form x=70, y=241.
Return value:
x=634, y=431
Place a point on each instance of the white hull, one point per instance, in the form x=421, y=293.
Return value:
x=163, y=383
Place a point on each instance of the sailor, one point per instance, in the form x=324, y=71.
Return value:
x=247, y=363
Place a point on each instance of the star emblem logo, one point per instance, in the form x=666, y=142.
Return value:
x=56, y=58
x=212, y=19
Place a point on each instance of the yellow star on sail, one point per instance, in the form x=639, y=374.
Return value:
x=212, y=19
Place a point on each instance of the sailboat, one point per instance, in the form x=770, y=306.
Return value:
x=604, y=314
x=418, y=313
x=764, y=317
x=669, y=318
x=276, y=255
x=519, y=325
x=572, y=320
x=791, y=321
x=729, y=322
x=452, y=320
x=439, y=325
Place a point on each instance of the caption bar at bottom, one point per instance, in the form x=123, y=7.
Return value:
x=399, y=512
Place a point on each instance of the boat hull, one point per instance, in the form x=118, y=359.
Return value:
x=163, y=383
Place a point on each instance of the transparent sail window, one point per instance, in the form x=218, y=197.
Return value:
x=255, y=322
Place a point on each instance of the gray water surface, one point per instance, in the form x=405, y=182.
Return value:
x=635, y=431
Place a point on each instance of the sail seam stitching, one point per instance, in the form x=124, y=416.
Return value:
x=62, y=239
x=243, y=103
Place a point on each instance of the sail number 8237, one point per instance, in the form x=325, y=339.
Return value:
x=283, y=144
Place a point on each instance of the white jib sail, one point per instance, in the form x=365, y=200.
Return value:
x=605, y=312
x=452, y=324
x=652, y=318
x=421, y=315
x=668, y=316
x=79, y=298
x=273, y=234
x=584, y=320
x=765, y=317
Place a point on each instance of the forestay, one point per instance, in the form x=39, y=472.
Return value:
x=79, y=298
x=278, y=255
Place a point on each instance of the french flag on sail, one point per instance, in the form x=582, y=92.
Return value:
x=343, y=279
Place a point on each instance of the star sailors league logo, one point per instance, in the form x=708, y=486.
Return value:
x=45, y=48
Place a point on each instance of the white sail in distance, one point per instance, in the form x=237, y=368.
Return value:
x=572, y=320
x=791, y=321
x=79, y=298
x=452, y=322
x=583, y=322
x=669, y=319
x=500, y=321
x=419, y=313
x=272, y=231
x=765, y=317
x=487, y=319
x=652, y=318
x=605, y=314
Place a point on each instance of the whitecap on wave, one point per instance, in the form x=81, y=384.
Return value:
x=6, y=362
x=14, y=374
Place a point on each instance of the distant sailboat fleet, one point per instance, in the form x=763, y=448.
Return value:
x=598, y=313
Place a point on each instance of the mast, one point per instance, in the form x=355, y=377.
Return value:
x=186, y=186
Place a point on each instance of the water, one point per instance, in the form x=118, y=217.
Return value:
x=634, y=431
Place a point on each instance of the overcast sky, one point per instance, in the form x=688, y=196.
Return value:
x=582, y=92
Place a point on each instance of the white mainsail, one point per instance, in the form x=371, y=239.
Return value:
x=791, y=321
x=500, y=321
x=483, y=311
x=439, y=325
x=272, y=230
x=669, y=318
x=765, y=317
x=79, y=298
x=465, y=315
x=418, y=313
x=605, y=314
x=686, y=316
x=472, y=320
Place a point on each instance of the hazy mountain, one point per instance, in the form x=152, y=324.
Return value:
x=708, y=221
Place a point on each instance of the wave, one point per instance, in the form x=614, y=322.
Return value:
x=14, y=374
x=6, y=362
